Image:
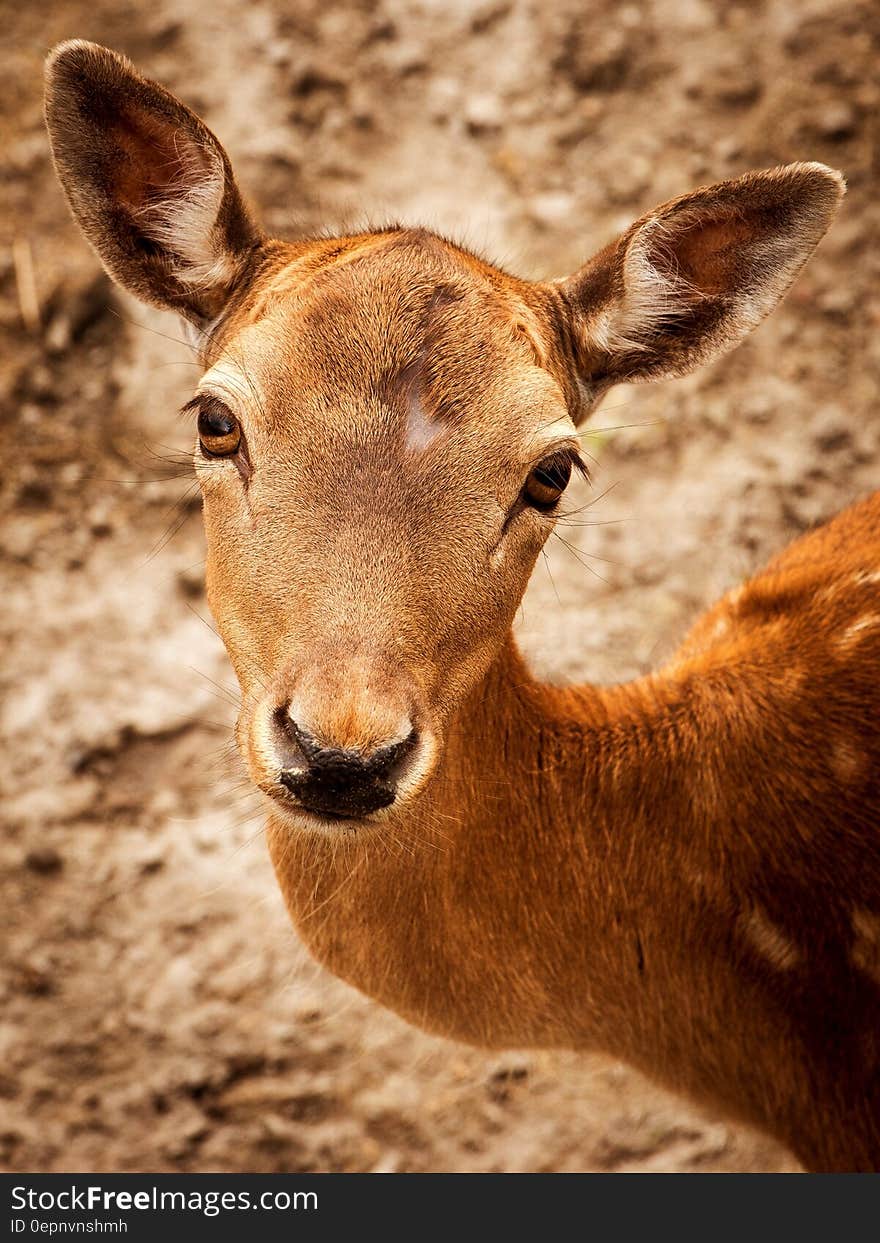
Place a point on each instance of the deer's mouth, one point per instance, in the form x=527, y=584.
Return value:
x=345, y=798
x=318, y=815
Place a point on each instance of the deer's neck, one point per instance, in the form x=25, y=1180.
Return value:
x=591, y=868
x=664, y=871
x=528, y=898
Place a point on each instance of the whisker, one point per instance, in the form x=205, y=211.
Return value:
x=550, y=572
x=594, y=500
x=620, y=427
x=226, y=695
x=128, y=319
x=169, y=535
x=575, y=553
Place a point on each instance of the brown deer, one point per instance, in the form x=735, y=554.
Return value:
x=683, y=871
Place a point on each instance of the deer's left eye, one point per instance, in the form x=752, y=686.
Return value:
x=219, y=429
x=547, y=481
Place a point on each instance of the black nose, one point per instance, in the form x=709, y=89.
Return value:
x=333, y=782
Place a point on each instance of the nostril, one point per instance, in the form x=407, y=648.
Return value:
x=296, y=744
x=385, y=760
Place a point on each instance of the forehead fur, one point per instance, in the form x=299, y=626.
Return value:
x=397, y=317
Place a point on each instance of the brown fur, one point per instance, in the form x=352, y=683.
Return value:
x=683, y=871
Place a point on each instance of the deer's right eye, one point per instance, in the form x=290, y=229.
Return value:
x=219, y=429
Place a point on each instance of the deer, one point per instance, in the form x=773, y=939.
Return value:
x=682, y=871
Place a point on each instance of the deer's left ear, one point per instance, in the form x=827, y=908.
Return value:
x=693, y=277
x=149, y=184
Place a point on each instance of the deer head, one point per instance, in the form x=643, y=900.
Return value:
x=386, y=424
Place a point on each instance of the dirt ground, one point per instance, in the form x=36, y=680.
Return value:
x=157, y=1012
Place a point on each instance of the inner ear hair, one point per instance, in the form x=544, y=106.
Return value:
x=689, y=280
x=148, y=182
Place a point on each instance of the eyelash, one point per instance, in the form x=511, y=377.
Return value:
x=569, y=456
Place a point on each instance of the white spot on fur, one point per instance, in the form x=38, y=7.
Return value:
x=420, y=429
x=705, y=884
x=829, y=593
x=866, y=942
x=791, y=681
x=866, y=925
x=770, y=941
x=847, y=762
x=857, y=631
x=498, y=555
x=866, y=578
x=721, y=626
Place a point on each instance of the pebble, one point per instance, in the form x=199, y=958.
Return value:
x=191, y=581
x=831, y=430
x=551, y=209
x=36, y=978
x=78, y=311
x=44, y=859
x=151, y=863
x=837, y=121
x=838, y=301
x=20, y=536
x=484, y=114
x=599, y=60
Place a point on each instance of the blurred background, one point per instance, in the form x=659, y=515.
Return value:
x=157, y=1012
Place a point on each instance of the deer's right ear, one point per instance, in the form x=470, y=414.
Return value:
x=149, y=184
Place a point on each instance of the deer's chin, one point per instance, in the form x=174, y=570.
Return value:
x=298, y=819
